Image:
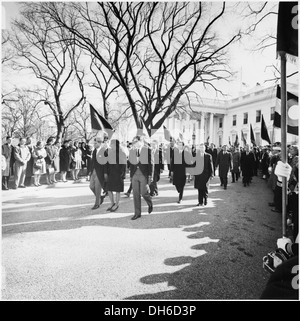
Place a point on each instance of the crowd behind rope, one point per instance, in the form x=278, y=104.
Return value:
x=26, y=163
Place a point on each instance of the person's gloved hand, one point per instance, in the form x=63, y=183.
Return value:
x=283, y=169
x=282, y=242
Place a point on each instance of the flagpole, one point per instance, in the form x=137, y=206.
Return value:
x=283, y=136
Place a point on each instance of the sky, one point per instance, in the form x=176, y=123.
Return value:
x=250, y=66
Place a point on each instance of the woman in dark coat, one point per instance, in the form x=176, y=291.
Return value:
x=64, y=160
x=204, y=171
x=114, y=173
x=180, y=161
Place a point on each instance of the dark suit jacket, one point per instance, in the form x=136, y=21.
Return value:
x=99, y=165
x=145, y=161
x=202, y=179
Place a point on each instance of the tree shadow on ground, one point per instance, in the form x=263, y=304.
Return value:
x=228, y=264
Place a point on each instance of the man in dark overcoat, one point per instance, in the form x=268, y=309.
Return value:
x=204, y=169
x=214, y=154
x=247, y=165
x=224, y=162
x=179, y=163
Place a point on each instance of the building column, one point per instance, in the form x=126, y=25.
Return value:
x=225, y=133
x=211, y=128
x=201, y=134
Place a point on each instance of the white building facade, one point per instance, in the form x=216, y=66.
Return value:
x=220, y=121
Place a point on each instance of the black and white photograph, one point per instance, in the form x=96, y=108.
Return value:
x=149, y=154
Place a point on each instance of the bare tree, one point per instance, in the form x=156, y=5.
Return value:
x=104, y=82
x=7, y=51
x=20, y=113
x=43, y=50
x=160, y=50
x=258, y=15
x=81, y=122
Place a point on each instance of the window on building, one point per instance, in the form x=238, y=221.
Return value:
x=245, y=118
x=234, y=120
x=272, y=113
x=220, y=122
x=258, y=116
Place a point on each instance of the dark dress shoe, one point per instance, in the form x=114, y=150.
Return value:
x=102, y=199
x=179, y=201
x=271, y=204
x=109, y=209
x=135, y=217
x=114, y=208
x=225, y=187
x=199, y=204
x=205, y=201
x=150, y=209
x=95, y=207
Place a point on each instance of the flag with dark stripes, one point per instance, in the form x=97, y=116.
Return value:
x=292, y=112
x=264, y=131
x=252, y=136
x=100, y=123
x=243, y=138
x=236, y=143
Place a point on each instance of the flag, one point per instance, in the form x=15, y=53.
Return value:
x=100, y=123
x=229, y=141
x=181, y=137
x=264, y=131
x=287, y=28
x=243, y=138
x=292, y=103
x=236, y=143
x=252, y=136
x=207, y=140
x=167, y=134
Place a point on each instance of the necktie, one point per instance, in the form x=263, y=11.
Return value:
x=138, y=153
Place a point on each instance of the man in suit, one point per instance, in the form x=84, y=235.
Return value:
x=97, y=174
x=224, y=163
x=141, y=170
x=204, y=173
x=158, y=167
x=169, y=155
x=22, y=156
x=214, y=154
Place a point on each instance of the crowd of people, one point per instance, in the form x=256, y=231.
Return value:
x=71, y=160
x=106, y=162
